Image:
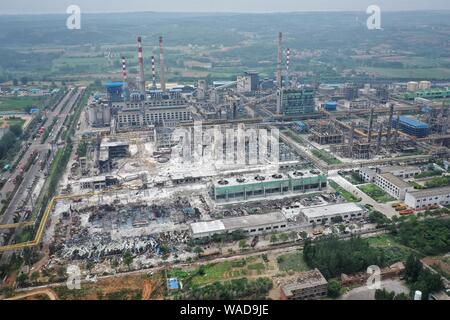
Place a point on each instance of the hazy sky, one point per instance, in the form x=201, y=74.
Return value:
x=59, y=6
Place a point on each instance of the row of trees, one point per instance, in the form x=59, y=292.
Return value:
x=9, y=139
x=431, y=236
x=234, y=289
x=419, y=278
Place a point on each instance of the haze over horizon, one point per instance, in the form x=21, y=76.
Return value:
x=205, y=6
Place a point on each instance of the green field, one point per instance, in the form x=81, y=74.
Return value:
x=18, y=103
x=13, y=121
x=393, y=251
x=353, y=178
x=376, y=193
x=292, y=262
x=409, y=73
x=344, y=193
x=326, y=156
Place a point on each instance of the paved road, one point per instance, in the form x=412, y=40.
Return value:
x=60, y=112
x=48, y=292
x=384, y=208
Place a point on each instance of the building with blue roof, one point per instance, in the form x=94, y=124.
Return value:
x=412, y=126
x=173, y=284
x=114, y=91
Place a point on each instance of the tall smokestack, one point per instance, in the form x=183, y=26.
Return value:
x=369, y=134
x=141, y=67
x=161, y=64
x=389, y=129
x=380, y=133
x=125, y=80
x=153, y=73
x=288, y=61
x=280, y=60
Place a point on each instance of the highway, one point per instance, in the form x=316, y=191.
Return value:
x=60, y=112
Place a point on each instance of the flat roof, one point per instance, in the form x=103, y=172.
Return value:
x=235, y=223
x=430, y=192
x=207, y=226
x=413, y=122
x=114, y=144
x=396, y=181
x=330, y=210
x=306, y=279
x=253, y=220
x=398, y=168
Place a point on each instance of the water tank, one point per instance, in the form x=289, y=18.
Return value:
x=418, y=295
x=412, y=86
x=424, y=85
x=330, y=106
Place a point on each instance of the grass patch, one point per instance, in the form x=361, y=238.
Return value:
x=18, y=103
x=376, y=193
x=344, y=193
x=294, y=136
x=393, y=251
x=353, y=178
x=326, y=156
x=292, y=262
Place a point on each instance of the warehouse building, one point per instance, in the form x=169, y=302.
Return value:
x=259, y=186
x=310, y=285
x=393, y=185
x=412, y=126
x=335, y=212
x=251, y=225
x=422, y=199
x=97, y=183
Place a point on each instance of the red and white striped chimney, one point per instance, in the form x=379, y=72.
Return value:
x=141, y=67
x=153, y=73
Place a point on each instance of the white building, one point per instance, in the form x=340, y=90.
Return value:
x=422, y=199
x=393, y=185
x=367, y=174
x=402, y=171
x=244, y=84
x=325, y=214
x=251, y=225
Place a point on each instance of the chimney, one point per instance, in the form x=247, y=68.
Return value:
x=161, y=64
x=141, y=67
x=288, y=61
x=369, y=134
x=125, y=80
x=153, y=73
x=280, y=61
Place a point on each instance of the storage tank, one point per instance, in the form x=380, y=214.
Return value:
x=418, y=295
x=424, y=85
x=412, y=86
x=330, y=105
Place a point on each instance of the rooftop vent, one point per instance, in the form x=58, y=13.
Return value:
x=277, y=176
x=240, y=180
x=223, y=182
x=260, y=178
x=298, y=174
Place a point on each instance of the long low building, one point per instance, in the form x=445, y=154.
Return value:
x=326, y=214
x=393, y=185
x=251, y=225
x=422, y=199
x=259, y=186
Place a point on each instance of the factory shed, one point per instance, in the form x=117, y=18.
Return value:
x=325, y=214
x=251, y=225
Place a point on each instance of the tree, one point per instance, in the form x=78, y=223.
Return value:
x=24, y=80
x=16, y=129
x=198, y=250
x=384, y=295
x=334, y=289
x=127, y=258
x=273, y=238
x=413, y=267
x=15, y=82
x=243, y=244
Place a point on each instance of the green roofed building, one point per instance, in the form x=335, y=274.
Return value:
x=261, y=186
x=428, y=94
